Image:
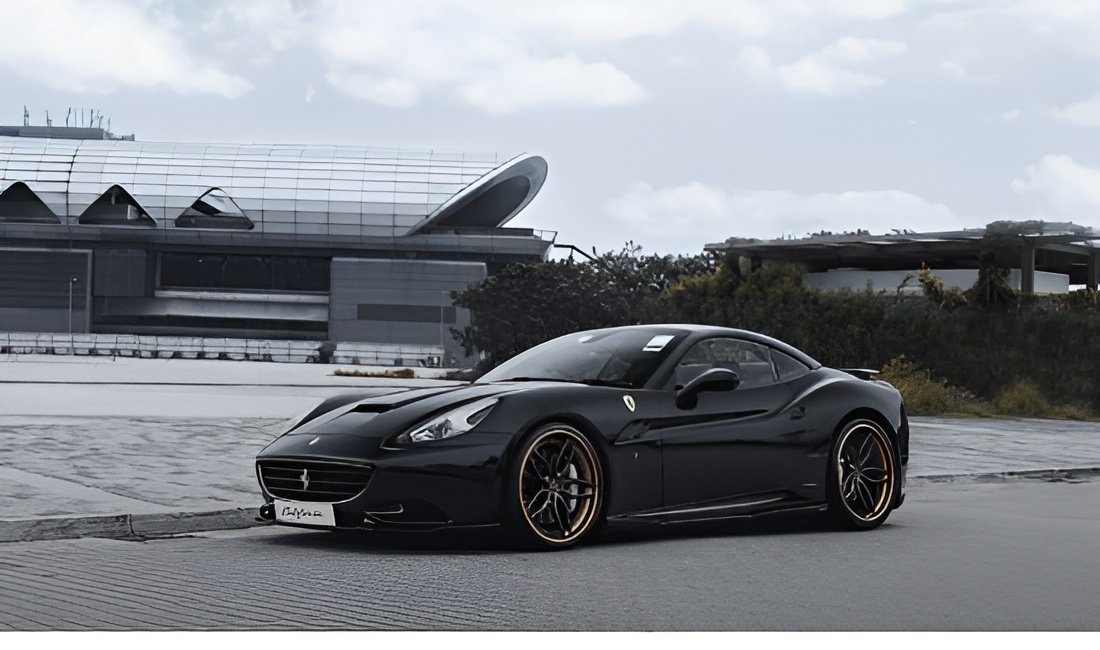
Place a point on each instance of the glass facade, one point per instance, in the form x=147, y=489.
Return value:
x=243, y=272
x=293, y=189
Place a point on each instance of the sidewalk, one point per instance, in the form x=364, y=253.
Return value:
x=154, y=451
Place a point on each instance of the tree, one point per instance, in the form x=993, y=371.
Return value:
x=526, y=304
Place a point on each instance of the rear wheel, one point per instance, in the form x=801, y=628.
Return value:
x=555, y=498
x=861, y=476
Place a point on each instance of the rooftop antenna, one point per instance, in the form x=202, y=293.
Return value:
x=49, y=122
x=67, y=116
x=108, y=124
x=26, y=116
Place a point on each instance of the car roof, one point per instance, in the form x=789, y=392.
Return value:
x=706, y=331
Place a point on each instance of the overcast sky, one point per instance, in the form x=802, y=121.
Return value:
x=669, y=123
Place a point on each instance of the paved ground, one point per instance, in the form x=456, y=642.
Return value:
x=963, y=556
x=82, y=436
x=79, y=466
x=98, y=437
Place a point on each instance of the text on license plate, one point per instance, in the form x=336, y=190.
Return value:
x=300, y=512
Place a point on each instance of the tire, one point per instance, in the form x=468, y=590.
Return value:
x=862, y=476
x=554, y=497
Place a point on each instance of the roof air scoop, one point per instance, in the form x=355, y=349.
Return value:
x=116, y=207
x=215, y=209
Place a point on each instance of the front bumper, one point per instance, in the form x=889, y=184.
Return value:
x=424, y=486
x=903, y=456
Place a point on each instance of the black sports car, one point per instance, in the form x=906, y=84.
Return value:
x=655, y=423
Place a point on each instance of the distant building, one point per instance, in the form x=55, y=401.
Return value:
x=107, y=235
x=1041, y=257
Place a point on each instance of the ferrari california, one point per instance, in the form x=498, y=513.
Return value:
x=653, y=423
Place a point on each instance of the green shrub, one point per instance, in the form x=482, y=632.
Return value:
x=1023, y=398
x=962, y=350
x=923, y=394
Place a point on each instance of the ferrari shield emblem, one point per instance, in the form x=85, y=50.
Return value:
x=629, y=401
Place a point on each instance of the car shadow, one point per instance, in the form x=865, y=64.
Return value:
x=491, y=540
x=455, y=541
x=774, y=524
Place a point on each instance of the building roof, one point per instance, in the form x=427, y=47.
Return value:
x=1040, y=231
x=276, y=189
x=1059, y=247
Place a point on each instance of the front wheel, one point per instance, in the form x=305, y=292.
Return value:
x=556, y=489
x=861, y=476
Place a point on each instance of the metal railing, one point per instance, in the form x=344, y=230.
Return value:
x=193, y=347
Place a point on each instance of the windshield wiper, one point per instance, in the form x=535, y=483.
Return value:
x=587, y=382
x=606, y=382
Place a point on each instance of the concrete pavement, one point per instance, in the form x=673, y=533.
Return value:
x=968, y=556
x=65, y=467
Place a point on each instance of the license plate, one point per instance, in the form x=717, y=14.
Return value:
x=301, y=512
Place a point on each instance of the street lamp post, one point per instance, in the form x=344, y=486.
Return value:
x=443, y=299
x=71, y=282
x=442, y=309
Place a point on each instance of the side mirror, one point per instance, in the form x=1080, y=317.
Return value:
x=715, y=379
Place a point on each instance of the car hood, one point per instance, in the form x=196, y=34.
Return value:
x=358, y=429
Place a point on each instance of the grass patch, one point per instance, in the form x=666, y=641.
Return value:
x=925, y=394
x=1023, y=398
x=399, y=373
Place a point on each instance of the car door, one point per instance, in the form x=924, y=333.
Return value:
x=733, y=443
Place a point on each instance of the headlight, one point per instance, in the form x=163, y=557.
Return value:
x=450, y=424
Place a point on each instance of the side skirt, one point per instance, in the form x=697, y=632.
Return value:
x=717, y=513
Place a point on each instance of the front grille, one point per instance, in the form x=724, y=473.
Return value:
x=312, y=480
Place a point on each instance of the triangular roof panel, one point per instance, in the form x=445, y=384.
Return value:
x=117, y=207
x=19, y=204
x=215, y=209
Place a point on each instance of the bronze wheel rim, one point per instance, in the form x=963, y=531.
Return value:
x=865, y=471
x=559, y=485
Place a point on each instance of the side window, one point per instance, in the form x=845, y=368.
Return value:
x=751, y=361
x=787, y=367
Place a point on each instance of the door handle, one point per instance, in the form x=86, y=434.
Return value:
x=798, y=412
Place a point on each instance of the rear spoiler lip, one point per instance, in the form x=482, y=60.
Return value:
x=860, y=373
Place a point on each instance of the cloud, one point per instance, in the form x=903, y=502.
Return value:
x=396, y=54
x=1083, y=113
x=617, y=20
x=98, y=46
x=685, y=217
x=1076, y=22
x=1068, y=190
x=505, y=57
x=278, y=21
x=1010, y=116
x=393, y=92
x=828, y=71
x=559, y=82
x=755, y=62
x=954, y=70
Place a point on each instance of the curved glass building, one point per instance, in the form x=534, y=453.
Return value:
x=310, y=242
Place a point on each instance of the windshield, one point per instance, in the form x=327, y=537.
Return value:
x=616, y=357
